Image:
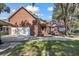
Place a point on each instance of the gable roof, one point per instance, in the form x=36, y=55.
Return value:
x=3, y=23
x=33, y=15
x=19, y=10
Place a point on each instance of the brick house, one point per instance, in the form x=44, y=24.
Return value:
x=26, y=23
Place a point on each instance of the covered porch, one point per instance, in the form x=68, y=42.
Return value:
x=4, y=27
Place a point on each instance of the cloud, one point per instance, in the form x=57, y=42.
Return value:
x=39, y=14
x=13, y=10
x=3, y=17
x=50, y=17
x=50, y=8
x=34, y=9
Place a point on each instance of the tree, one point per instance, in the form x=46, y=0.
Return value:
x=33, y=4
x=67, y=10
x=3, y=8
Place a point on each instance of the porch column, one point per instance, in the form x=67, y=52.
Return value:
x=4, y=29
x=36, y=30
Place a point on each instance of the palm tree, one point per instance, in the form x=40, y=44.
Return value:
x=3, y=8
x=67, y=10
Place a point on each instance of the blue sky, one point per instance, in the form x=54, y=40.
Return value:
x=45, y=10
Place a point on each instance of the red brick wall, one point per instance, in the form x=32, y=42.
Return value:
x=22, y=17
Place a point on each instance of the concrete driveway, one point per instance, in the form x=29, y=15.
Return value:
x=11, y=41
x=9, y=38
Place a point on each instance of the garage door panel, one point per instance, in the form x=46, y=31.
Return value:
x=20, y=31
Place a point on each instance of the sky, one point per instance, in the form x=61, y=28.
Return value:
x=43, y=10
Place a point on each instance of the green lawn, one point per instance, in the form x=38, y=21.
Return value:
x=45, y=48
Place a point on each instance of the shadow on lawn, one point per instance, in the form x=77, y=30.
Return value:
x=63, y=48
x=46, y=48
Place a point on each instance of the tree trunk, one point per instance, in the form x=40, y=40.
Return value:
x=66, y=27
x=69, y=28
x=69, y=25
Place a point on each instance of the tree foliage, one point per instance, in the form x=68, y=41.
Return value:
x=4, y=8
x=66, y=11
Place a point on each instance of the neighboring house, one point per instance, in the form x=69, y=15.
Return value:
x=54, y=27
x=57, y=27
x=61, y=26
x=26, y=23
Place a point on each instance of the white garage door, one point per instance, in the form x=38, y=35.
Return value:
x=20, y=31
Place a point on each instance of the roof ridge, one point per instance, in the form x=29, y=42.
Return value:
x=18, y=10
